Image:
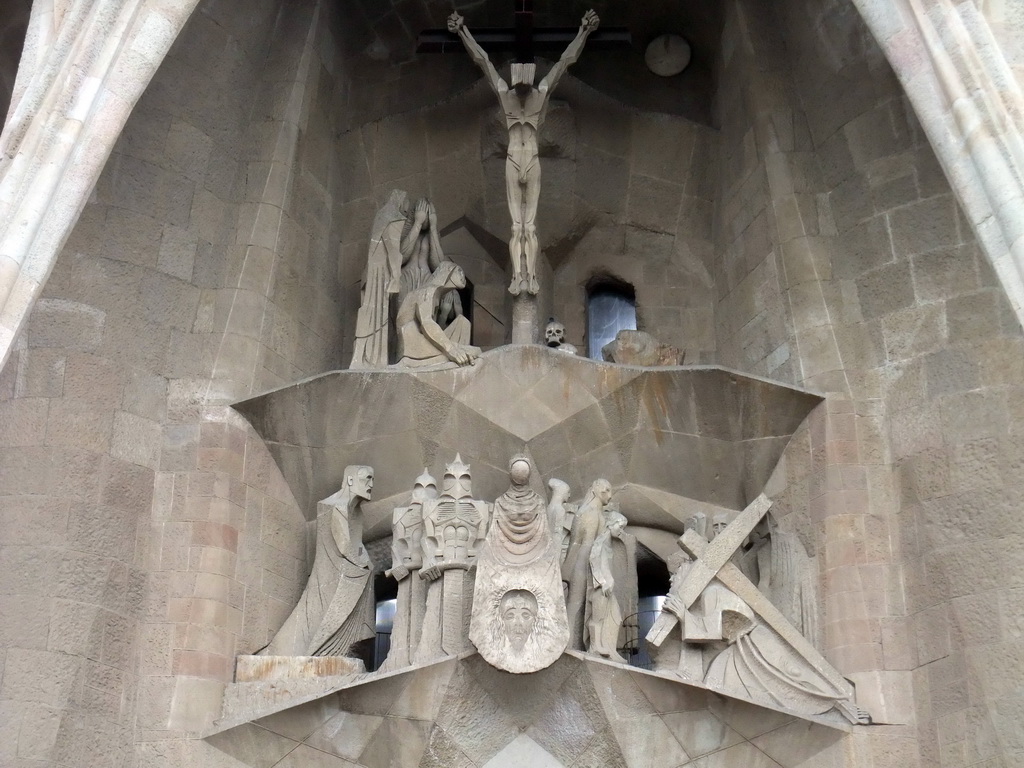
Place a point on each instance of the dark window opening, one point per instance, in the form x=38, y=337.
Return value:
x=385, y=590
x=653, y=580
x=611, y=307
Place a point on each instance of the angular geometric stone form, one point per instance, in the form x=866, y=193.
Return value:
x=523, y=750
x=463, y=713
x=701, y=432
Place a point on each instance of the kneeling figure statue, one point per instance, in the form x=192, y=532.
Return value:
x=421, y=340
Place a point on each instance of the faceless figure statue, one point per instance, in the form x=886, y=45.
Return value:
x=524, y=105
x=554, y=337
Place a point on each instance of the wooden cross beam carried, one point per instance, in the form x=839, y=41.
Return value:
x=711, y=561
x=525, y=39
x=706, y=566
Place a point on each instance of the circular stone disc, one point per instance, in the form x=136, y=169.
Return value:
x=667, y=55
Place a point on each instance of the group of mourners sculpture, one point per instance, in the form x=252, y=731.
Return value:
x=405, y=259
x=522, y=578
x=525, y=578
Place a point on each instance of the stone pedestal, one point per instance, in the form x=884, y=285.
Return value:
x=249, y=669
x=525, y=319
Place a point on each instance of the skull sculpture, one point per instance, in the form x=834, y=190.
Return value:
x=554, y=333
x=554, y=337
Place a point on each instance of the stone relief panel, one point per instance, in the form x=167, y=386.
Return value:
x=527, y=578
x=519, y=618
x=732, y=637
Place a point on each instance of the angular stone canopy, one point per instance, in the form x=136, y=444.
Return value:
x=699, y=432
x=580, y=711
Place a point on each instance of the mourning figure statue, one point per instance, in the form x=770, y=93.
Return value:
x=422, y=340
x=336, y=608
x=404, y=251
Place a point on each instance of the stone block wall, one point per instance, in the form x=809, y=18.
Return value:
x=864, y=266
x=643, y=214
x=148, y=536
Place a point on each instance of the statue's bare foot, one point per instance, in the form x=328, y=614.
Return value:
x=515, y=286
x=534, y=286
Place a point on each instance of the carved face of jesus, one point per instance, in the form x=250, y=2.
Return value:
x=719, y=523
x=519, y=615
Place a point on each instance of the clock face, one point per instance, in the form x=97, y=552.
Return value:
x=667, y=55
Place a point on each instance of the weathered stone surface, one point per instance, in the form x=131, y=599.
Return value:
x=250, y=669
x=209, y=247
x=640, y=348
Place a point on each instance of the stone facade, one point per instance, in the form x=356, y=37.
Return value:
x=803, y=227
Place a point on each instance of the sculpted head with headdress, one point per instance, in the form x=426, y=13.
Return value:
x=457, y=483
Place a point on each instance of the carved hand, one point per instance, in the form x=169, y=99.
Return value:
x=589, y=23
x=455, y=22
x=432, y=215
x=463, y=355
x=421, y=211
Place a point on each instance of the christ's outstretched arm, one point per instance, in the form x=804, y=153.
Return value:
x=572, y=52
x=457, y=25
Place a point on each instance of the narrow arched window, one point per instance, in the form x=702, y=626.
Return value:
x=611, y=307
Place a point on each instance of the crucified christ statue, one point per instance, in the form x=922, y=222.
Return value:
x=525, y=106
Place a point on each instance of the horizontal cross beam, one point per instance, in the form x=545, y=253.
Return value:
x=493, y=39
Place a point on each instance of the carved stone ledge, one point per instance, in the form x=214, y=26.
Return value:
x=250, y=669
